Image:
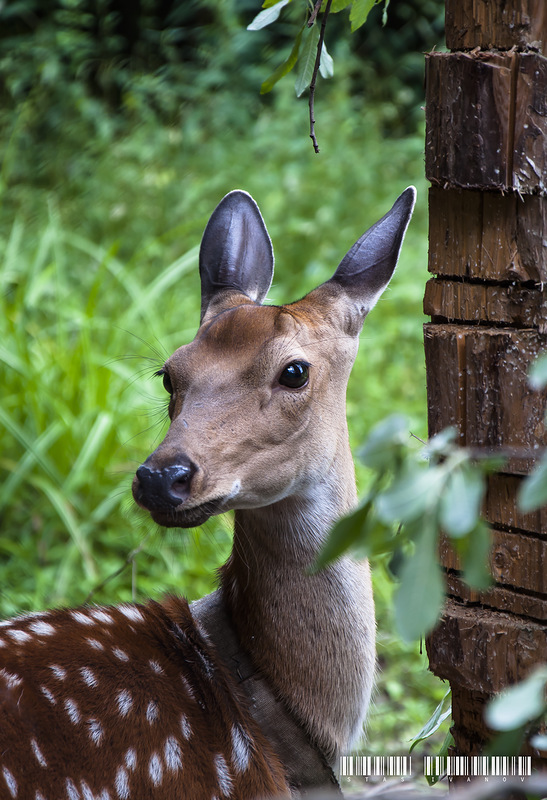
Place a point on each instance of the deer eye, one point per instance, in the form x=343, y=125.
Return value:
x=295, y=375
x=167, y=385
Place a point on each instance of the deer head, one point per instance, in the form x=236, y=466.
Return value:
x=257, y=400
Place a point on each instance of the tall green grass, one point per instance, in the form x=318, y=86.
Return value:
x=99, y=283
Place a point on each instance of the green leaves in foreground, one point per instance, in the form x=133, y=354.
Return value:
x=533, y=493
x=304, y=50
x=517, y=713
x=417, y=492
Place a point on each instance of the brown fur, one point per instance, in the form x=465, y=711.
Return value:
x=137, y=706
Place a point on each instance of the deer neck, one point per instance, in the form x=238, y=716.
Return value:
x=310, y=635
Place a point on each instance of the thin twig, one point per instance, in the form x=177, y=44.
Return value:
x=314, y=13
x=130, y=560
x=316, y=70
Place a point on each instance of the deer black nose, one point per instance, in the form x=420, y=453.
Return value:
x=165, y=487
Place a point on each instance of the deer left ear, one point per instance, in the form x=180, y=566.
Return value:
x=236, y=251
x=366, y=270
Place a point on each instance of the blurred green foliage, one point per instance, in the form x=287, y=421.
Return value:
x=114, y=151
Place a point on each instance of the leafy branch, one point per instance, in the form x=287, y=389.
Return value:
x=309, y=53
x=419, y=496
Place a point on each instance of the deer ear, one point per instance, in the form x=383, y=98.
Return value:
x=367, y=268
x=236, y=251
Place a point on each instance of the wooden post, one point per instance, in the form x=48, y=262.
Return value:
x=486, y=159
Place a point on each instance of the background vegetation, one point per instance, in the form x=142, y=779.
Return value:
x=121, y=127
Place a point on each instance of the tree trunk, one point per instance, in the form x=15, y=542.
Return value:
x=486, y=160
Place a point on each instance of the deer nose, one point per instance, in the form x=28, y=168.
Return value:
x=165, y=487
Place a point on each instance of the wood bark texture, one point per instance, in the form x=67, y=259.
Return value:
x=486, y=159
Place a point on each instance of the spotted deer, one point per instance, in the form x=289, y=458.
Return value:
x=252, y=691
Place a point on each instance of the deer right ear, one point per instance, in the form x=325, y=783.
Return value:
x=236, y=251
x=367, y=268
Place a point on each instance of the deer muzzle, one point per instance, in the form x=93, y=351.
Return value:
x=163, y=488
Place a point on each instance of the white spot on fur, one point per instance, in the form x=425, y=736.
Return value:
x=72, y=790
x=122, y=784
x=236, y=487
x=188, y=688
x=156, y=667
x=89, y=677
x=42, y=628
x=152, y=711
x=131, y=759
x=50, y=696
x=59, y=672
x=82, y=618
x=96, y=731
x=87, y=794
x=72, y=710
x=155, y=769
x=101, y=616
x=172, y=754
x=125, y=702
x=19, y=636
x=223, y=775
x=12, y=681
x=121, y=654
x=11, y=783
x=104, y=795
x=185, y=727
x=241, y=748
x=132, y=613
x=95, y=644
x=3, y=643
x=39, y=796
x=39, y=756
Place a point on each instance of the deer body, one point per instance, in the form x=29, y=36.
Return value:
x=254, y=690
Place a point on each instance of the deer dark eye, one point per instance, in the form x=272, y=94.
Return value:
x=295, y=375
x=167, y=385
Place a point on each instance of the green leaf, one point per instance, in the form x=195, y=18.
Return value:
x=26, y=463
x=518, y=705
x=306, y=59
x=29, y=443
x=448, y=743
x=346, y=531
x=326, y=65
x=533, y=490
x=359, y=13
x=508, y=743
x=93, y=443
x=269, y=15
x=419, y=599
x=336, y=5
x=462, y=500
x=442, y=712
x=539, y=741
x=68, y=518
x=375, y=539
x=442, y=443
x=382, y=449
x=538, y=372
x=284, y=68
x=412, y=495
x=476, y=572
